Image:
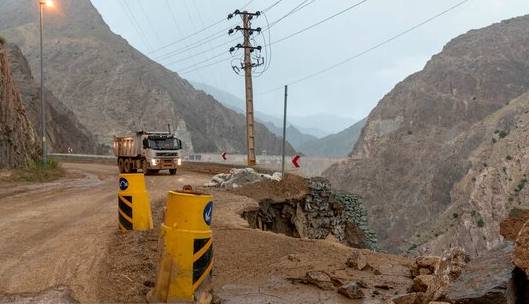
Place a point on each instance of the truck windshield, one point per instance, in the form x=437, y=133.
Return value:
x=164, y=144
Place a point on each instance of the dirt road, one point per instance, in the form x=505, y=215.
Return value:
x=59, y=234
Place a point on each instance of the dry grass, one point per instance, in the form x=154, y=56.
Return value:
x=37, y=172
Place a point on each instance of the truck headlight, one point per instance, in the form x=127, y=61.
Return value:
x=179, y=162
x=154, y=162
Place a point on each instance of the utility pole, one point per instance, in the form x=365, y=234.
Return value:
x=249, y=92
x=42, y=4
x=284, y=134
x=247, y=66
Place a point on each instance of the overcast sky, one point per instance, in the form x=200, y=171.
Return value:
x=352, y=89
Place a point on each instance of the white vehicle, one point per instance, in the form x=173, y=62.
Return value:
x=147, y=151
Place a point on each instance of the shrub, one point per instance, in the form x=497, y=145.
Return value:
x=455, y=215
x=481, y=223
x=521, y=185
x=503, y=134
x=493, y=140
x=2, y=40
x=508, y=157
x=36, y=171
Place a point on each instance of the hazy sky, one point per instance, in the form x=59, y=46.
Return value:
x=350, y=90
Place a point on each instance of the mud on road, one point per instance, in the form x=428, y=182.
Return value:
x=60, y=241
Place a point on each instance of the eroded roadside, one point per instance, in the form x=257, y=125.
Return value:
x=66, y=236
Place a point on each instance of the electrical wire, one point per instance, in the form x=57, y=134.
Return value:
x=135, y=23
x=320, y=22
x=368, y=50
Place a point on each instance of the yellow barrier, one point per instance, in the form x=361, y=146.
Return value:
x=187, y=254
x=134, y=207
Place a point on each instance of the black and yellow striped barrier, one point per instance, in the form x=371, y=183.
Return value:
x=134, y=207
x=187, y=254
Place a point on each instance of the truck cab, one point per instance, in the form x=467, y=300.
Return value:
x=160, y=151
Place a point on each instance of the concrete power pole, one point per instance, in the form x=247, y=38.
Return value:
x=247, y=65
x=250, y=137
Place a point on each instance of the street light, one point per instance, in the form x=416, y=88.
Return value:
x=42, y=4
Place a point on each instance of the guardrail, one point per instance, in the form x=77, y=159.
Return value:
x=310, y=166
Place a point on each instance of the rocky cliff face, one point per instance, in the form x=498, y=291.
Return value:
x=63, y=130
x=18, y=141
x=416, y=156
x=113, y=89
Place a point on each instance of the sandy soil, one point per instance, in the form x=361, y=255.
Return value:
x=62, y=236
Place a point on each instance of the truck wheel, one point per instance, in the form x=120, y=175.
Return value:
x=144, y=168
x=127, y=166
x=120, y=165
x=172, y=171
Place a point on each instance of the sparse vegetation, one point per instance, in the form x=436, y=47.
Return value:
x=521, y=185
x=502, y=134
x=38, y=172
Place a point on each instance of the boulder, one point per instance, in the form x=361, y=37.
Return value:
x=357, y=261
x=319, y=279
x=428, y=262
x=421, y=283
x=352, y=290
x=511, y=226
x=485, y=280
x=521, y=249
x=447, y=269
x=409, y=298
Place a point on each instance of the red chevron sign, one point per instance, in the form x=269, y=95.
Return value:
x=295, y=161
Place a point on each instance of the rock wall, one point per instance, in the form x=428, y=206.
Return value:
x=18, y=141
x=317, y=215
x=63, y=130
x=419, y=141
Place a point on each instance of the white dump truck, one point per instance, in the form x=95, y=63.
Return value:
x=149, y=152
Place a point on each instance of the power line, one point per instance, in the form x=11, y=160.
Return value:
x=194, y=45
x=296, y=9
x=187, y=37
x=376, y=46
x=135, y=23
x=221, y=33
x=203, y=52
x=320, y=22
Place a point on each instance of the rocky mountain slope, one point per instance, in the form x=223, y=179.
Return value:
x=63, y=130
x=113, y=89
x=335, y=145
x=424, y=148
x=18, y=140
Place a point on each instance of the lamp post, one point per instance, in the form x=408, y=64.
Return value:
x=42, y=4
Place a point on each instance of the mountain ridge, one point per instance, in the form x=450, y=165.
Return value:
x=407, y=160
x=112, y=88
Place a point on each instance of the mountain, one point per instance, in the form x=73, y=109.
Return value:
x=18, y=140
x=425, y=150
x=335, y=145
x=295, y=137
x=112, y=88
x=326, y=123
x=63, y=131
